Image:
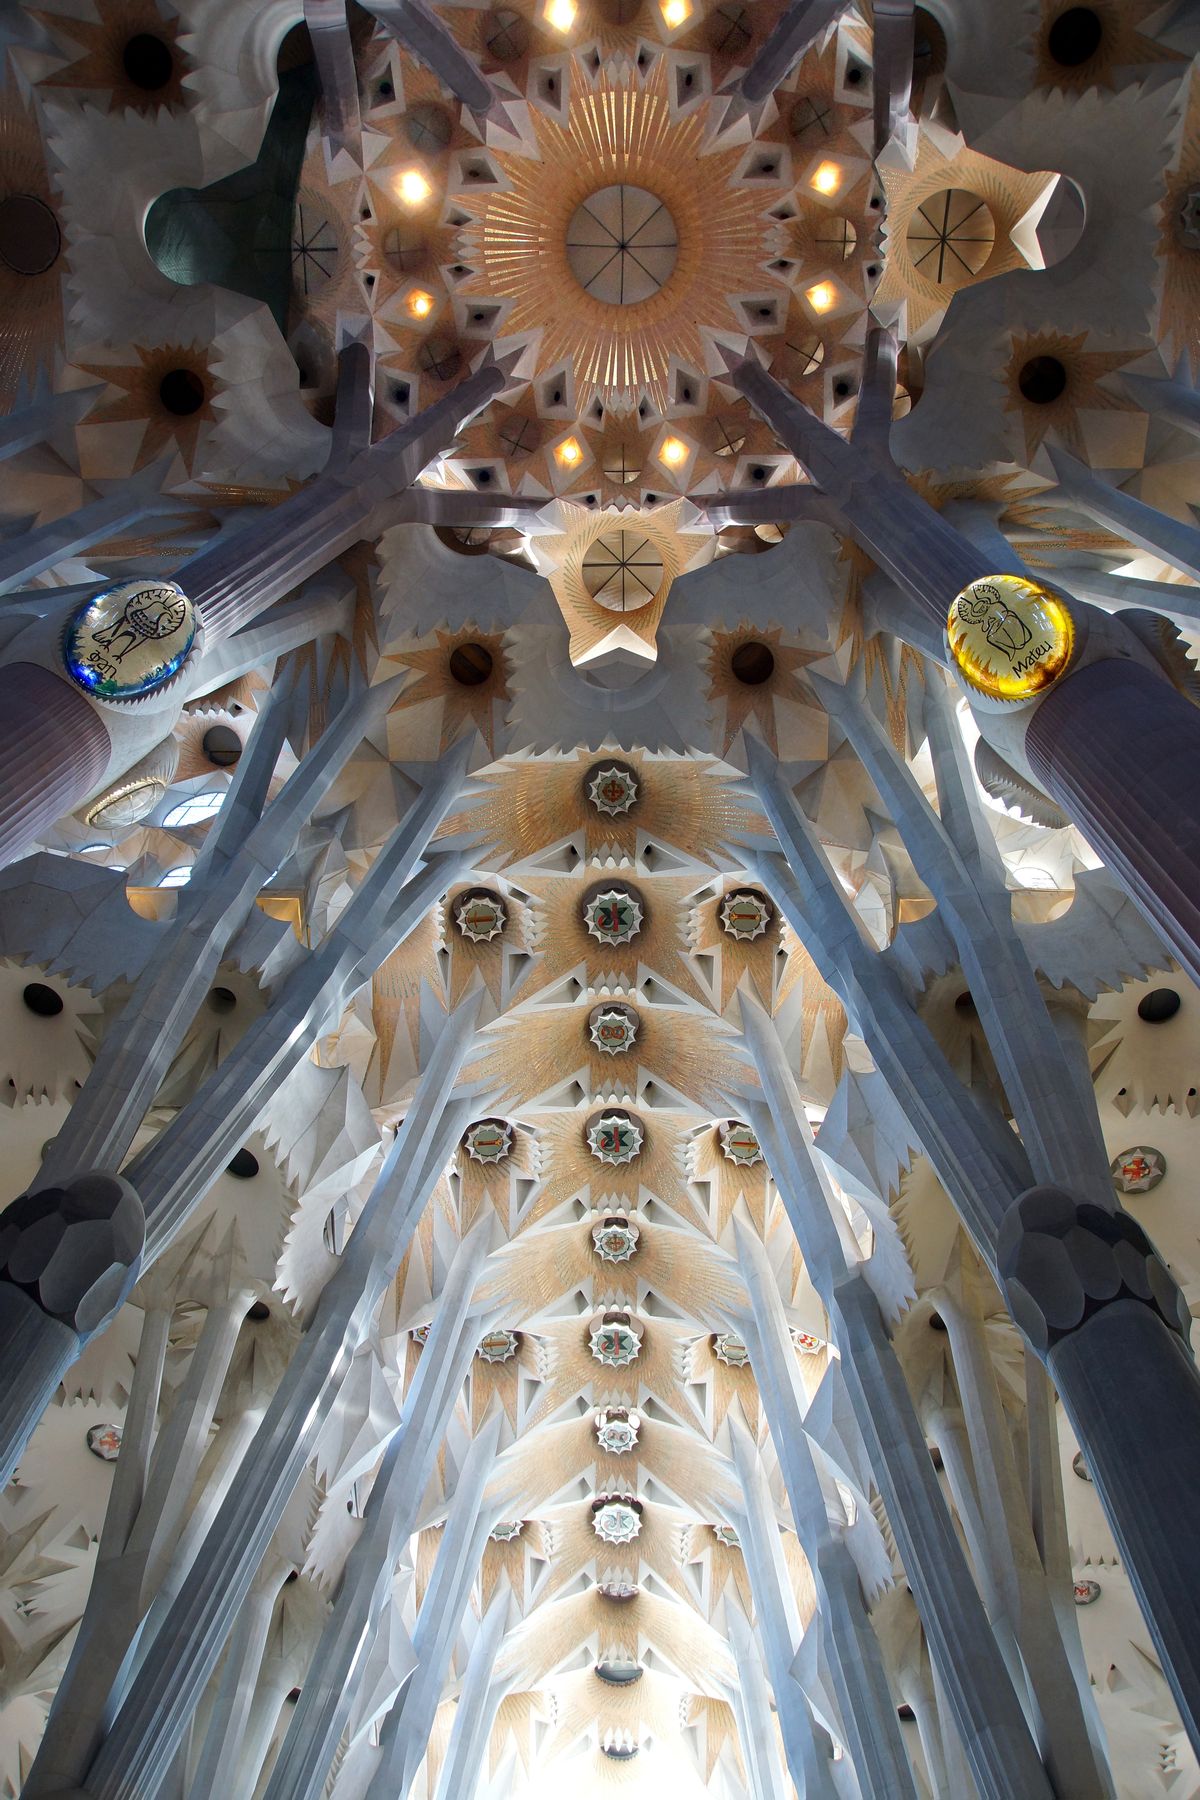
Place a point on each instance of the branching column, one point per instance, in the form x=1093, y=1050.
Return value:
x=1130, y=791
x=136, y=1757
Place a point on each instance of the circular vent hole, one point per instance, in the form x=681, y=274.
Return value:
x=42, y=1000
x=147, y=62
x=1074, y=36
x=1159, y=1005
x=752, y=664
x=221, y=1000
x=181, y=392
x=1042, y=379
x=243, y=1166
x=471, y=664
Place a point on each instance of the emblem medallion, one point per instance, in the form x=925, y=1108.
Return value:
x=617, y=1522
x=740, y=1145
x=612, y=789
x=615, y=1345
x=1138, y=1170
x=615, y=1240
x=745, y=915
x=617, y=1432
x=480, y=916
x=614, y=1138
x=613, y=915
x=104, y=1441
x=489, y=1141
x=498, y=1346
x=613, y=1029
x=130, y=639
x=1010, y=637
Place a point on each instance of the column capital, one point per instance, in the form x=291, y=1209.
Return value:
x=75, y=1250
x=1063, y=1259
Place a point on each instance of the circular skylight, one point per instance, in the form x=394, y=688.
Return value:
x=622, y=245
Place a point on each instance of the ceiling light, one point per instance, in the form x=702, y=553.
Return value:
x=420, y=304
x=674, y=452
x=568, y=453
x=826, y=178
x=413, y=188
x=822, y=297
x=675, y=12
x=561, y=14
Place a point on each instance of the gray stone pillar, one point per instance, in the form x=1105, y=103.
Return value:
x=405, y=1736
x=327, y=1698
x=136, y=1756
x=1117, y=746
x=69, y=1258
x=420, y=30
x=1126, y=515
x=800, y=25
x=478, y=1703
x=53, y=750
x=1099, y=1305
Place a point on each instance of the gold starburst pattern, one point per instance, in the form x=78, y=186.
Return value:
x=1071, y=61
x=169, y=390
x=465, y=673
x=1036, y=368
x=516, y=244
x=530, y=805
x=128, y=53
x=773, y=679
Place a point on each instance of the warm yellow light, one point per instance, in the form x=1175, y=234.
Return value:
x=675, y=13
x=569, y=453
x=561, y=14
x=826, y=178
x=413, y=188
x=1010, y=637
x=673, y=452
x=420, y=304
x=822, y=297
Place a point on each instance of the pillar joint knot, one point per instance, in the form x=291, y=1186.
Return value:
x=1063, y=1259
x=75, y=1250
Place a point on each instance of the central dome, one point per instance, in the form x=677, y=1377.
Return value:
x=622, y=245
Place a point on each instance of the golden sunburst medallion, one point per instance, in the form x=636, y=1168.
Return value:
x=621, y=246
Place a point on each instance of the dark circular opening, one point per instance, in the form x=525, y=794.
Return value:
x=853, y=77
x=904, y=1711
x=258, y=1312
x=30, y=239
x=619, y=1674
x=181, y=392
x=1042, y=379
x=964, y=1003
x=147, y=61
x=221, y=999
x=1159, y=1005
x=42, y=1000
x=936, y=1322
x=244, y=1165
x=935, y=1456
x=752, y=664
x=293, y=1696
x=222, y=746
x=471, y=664
x=1074, y=36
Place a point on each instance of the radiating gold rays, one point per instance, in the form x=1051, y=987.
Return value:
x=620, y=131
